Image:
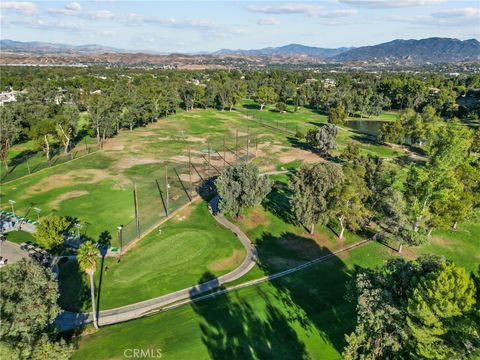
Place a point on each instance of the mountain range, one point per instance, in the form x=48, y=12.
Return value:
x=431, y=50
x=53, y=48
x=288, y=50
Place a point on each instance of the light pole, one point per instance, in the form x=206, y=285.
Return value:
x=120, y=240
x=78, y=226
x=12, y=203
x=37, y=210
x=167, y=186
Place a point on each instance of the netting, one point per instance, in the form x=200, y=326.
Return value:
x=33, y=162
x=173, y=184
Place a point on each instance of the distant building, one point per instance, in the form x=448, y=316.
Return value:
x=8, y=96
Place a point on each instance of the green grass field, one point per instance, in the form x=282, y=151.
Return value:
x=301, y=315
x=20, y=236
x=90, y=187
x=170, y=258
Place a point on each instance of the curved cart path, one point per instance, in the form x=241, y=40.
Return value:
x=70, y=320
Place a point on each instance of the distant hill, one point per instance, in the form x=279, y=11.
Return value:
x=52, y=48
x=433, y=50
x=287, y=50
x=396, y=52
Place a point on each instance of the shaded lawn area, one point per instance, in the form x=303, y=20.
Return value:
x=165, y=261
x=303, y=314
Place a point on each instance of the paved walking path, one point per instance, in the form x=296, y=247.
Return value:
x=11, y=251
x=69, y=320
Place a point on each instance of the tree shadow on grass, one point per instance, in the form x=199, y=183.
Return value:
x=73, y=287
x=314, y=296
x=232, y=328
x=251, y=106
x=278, y=203
x=104, y=242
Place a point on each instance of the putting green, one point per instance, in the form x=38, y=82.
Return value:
x=188, y=245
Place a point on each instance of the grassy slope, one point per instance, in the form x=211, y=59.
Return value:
x=164, y=262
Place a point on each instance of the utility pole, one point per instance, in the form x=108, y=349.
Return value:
x=12, y=203
x=167, y=186
x=37, y=210
x=248, y=141
x=208, y=160
x=135, y=200
x=236, y=145
x=120, y=239
x=190, y=171
x=224, y=152
x=28, y=167
x=256, y=144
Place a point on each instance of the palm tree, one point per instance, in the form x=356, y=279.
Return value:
x=87, y=261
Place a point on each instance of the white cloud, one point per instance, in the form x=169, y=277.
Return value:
x=381, y=4
x=27, y=8
x=102, y=14
x=71, y=9
x=300, y=8
x=267, y=21
x=469, y=12
x=73, y=6
x=460, y=17
x=106, y=33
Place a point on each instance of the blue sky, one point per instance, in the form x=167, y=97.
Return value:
x=189, y=26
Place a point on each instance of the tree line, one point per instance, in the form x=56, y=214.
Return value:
x=50, y=101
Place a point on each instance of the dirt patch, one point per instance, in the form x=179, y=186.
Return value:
x=66, y=179
x=195, y=158
x=110, y=145
x=184, y=213
x=227, y=263
x=186, y=177
x=257, y=218
x=128, y=162
x=441, y=241
x=299, y=154
x=254, y=219
x=66, y=196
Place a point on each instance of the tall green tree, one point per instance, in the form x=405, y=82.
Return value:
x=349, y=198
x=50, y=231
x=435, y=311
x=67, y=124
x=44, y=134
x=265, y=95
x=28, y=308
x=10, y=130
x=311, y=186
x=240, y=186
x=323, y=139
x=87, y=261
x=422, y=309
x=337, y=115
